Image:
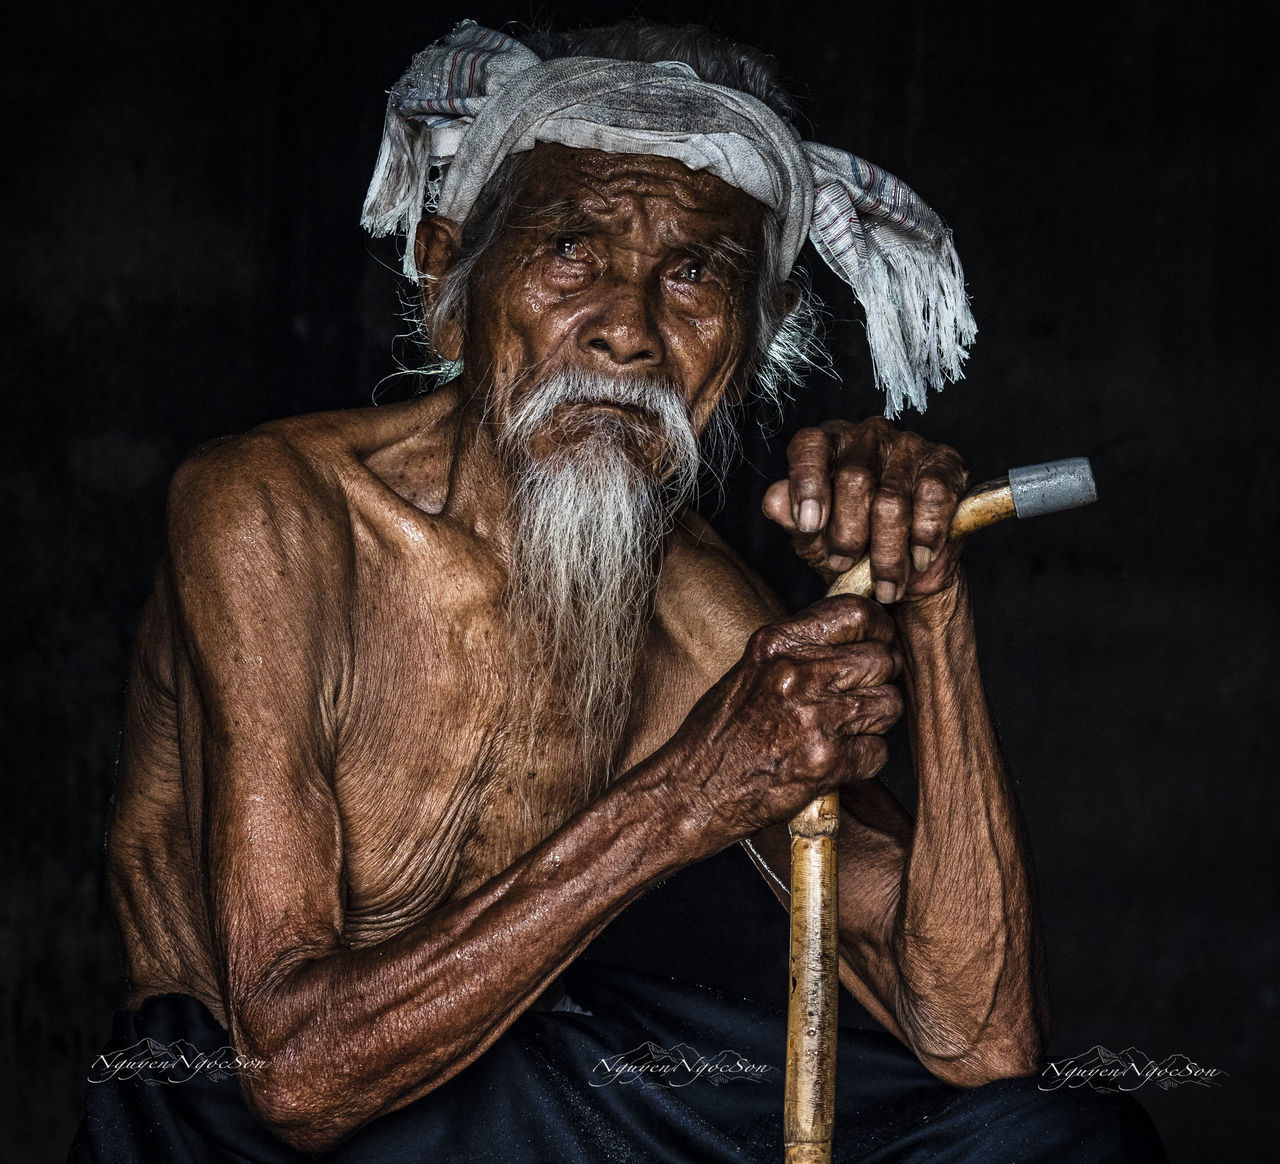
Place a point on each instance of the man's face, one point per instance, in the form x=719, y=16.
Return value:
x=605, y=324
x=622, y=265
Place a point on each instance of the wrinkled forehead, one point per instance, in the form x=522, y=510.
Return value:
x=560, y=182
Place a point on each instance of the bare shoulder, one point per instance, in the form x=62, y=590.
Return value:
x=703, y=562
x=260, y=532
x=299, y=474
x=710, y=600
x=282, y=474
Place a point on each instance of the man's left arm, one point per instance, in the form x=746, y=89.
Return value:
x=938, y=933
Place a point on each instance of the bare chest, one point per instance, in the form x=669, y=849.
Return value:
x=454, y=756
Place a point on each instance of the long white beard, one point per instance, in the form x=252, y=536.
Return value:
x=589, y=524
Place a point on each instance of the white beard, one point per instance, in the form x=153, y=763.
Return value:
x=588, y=526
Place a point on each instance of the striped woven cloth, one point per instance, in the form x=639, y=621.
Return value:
x=476, y=97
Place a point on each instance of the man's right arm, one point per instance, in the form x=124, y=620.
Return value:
x=261, y=570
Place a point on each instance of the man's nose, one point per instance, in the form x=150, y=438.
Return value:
x=622, y=328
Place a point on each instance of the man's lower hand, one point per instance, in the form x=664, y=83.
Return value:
x=802, y=712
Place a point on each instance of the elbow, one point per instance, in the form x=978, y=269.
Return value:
x=970, y=1033
x=326, y=1073
x=298, y=1107
x=1006, y=1056
x=294, y=1091
x=979, y=1069
x=979, y=1051
x=311, y=1101
x=311, y=1110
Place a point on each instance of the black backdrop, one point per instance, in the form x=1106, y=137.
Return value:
x=183, y=261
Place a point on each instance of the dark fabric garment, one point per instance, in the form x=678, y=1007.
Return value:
x=530, y=1099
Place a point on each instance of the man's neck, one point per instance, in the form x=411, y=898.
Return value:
x=479, y=482
x=446, y=462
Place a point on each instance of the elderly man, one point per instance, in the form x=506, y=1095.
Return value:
x=427, y=694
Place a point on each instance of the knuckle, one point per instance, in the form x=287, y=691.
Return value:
x=862, y=608
x=892, y=667
x=764, y=644
x=888, y=564
x=870, y=753
x=889, y=506
x=855, y=702
x=882, y=709
x=928, y=530
x=879, y=661
x=855, y=481
x=807, y=444
x=950, y=462
x=817, y=753
x=807, y=720
x=934, y=491
x=784, y=676
x=840, y=610
x=860, y=612
x=811, y=548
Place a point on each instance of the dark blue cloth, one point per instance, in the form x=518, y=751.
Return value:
x=554, y=1089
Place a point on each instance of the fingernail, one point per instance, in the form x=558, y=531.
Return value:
x=886, y=592
x=839, y=564
x=921, y=558
x=810, y=516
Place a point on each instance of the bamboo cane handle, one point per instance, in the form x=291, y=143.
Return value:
x=809, y=1100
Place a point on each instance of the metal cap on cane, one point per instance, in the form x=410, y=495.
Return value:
x=1052, y=486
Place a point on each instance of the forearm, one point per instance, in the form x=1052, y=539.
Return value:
x=965, y=939
x=401, y=1017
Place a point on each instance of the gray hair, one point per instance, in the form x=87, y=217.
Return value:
x=715, y=60
x=786, y=343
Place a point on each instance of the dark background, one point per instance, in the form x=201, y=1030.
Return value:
x=183, y=261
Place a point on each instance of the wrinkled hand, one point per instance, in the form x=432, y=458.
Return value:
x=799, y=714
x=866, y=488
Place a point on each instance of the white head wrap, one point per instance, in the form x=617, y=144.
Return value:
x=468, y=102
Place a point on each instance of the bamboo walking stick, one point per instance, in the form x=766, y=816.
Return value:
x=809, y=1104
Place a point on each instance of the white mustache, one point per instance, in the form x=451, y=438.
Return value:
x=657, y=399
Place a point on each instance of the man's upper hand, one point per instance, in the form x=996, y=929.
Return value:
x=855, y=489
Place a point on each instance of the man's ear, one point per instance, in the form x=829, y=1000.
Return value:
x=788, y=297
x=436, y=247
x=736, y=393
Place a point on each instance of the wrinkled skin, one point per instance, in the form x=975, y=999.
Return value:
x=858, y=489
x=329, y=828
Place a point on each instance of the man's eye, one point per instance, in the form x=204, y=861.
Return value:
x=694, y=271
x=568, y=246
